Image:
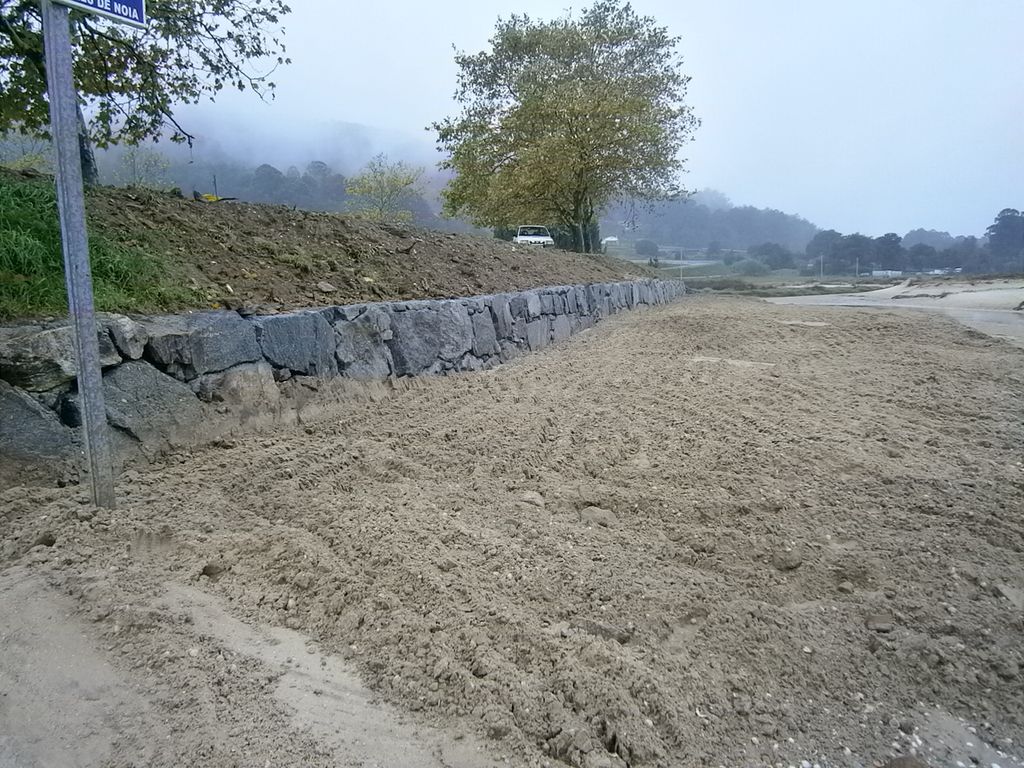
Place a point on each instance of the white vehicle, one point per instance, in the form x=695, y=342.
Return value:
x=532, y=234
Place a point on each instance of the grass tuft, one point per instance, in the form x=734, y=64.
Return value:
x=125, y=279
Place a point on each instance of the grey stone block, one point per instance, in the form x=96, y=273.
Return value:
x=571, y=305
x=470, y=363
x=249, y=385
x=28, y=430
x=422, y=337
x=518, y=334
x=582, y=305
x=502, y=314
x=561, y=328
x=525, y=304
x=360, y=345
x=412, y=306
x=561, y=303
x=477, y=304
x=186, y=346
x=547, y=303
x=152, y=407
x=39, y=358
x=538, y=334
x=349, y=312
x=509, y=350
x=129, y=337
x=300, y=341
x=485, y=339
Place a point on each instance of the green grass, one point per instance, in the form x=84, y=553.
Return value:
x=125, y=279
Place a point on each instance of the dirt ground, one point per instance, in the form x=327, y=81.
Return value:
x=272, y=257
x=719, y=533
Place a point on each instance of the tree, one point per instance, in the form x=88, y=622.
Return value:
x=822, y=245
x=385, y=191
x=267, y=184
x=1006, y=239
x=23, y=151
x=889, y=253
x=129, y=80
x=921, y=256
x=934, y=238
x=850, y=253
x=142, y=167
x=712, y=199
x=560, y=118
x=646, y=248
x=965, y=254
x=773, y=255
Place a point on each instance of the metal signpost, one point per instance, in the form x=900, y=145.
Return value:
x=63, y=99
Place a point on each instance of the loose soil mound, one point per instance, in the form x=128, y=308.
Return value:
x=266, y=258
x=262, y=255
x=719, y=533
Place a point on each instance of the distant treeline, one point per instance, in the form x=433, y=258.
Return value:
x=759, y=239
x=707, y=220
x=1001, y=250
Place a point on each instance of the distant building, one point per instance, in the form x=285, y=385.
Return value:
x=886, y=273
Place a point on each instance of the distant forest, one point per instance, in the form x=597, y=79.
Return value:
x=758, y=240
x=1000, y=250
x=707, y=220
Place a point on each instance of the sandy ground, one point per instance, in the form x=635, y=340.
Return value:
x=717, y=533
x=994, y=307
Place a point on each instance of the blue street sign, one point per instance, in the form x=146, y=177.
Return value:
x=126, y=11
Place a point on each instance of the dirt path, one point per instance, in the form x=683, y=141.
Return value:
x=719, y=533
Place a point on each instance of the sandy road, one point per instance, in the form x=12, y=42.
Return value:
x=718, y=533
x=990, y=306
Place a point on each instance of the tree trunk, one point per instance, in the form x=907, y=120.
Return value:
x=90, y=173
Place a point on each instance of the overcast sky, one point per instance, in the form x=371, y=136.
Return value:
x=860, y=115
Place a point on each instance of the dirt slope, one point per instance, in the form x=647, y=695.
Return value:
x=267, y=256
x=718, y=533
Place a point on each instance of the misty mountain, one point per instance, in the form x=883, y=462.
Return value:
x=284, y=142
x=707, y=219
x=308, y=168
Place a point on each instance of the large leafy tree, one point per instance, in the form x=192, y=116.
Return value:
x=130, y=80
x=560, y=118
x=889, y=252
x=1006, y=238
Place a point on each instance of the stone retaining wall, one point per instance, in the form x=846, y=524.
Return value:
x=165, y=378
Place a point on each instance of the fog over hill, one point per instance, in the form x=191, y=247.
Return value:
x=871, y=116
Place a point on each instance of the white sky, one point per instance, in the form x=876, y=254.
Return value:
x=861, y=115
